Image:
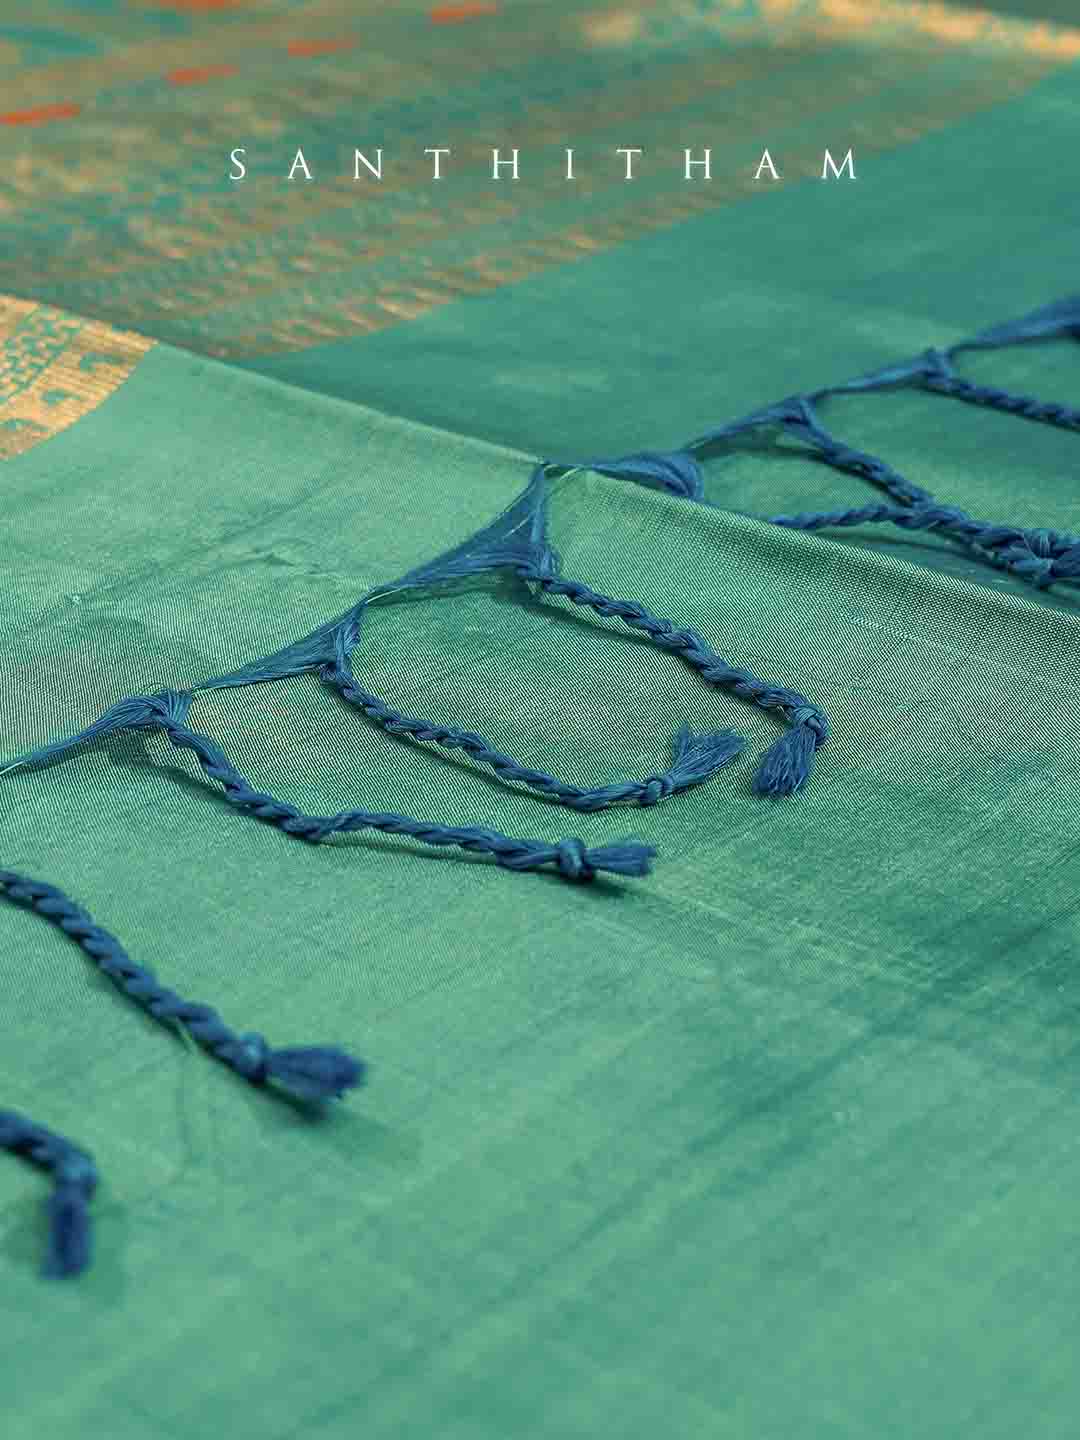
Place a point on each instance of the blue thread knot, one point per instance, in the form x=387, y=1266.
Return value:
x=814, y=719
x=573, y=861
x=655, y=788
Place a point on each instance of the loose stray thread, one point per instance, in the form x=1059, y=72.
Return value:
x=516, y=542
x=308, y=1073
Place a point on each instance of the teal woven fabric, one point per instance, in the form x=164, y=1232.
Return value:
x=778, y=1139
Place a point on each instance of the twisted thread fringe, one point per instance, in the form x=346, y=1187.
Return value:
x=696, y=757
x=516, y=540
x=785, y=767
x=167, y=711
x=310, y=1072
x=1039, y=556
x=75, y=1179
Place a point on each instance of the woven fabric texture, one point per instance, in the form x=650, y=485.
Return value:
x=779, y=1139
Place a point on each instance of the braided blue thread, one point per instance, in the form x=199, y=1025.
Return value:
x=75, y=1179
x=933, y=369
x=1030, y=408
x=785, y=767
x=1061, y=317
x=517, y=541
x=308, y=1072
x=1037, y=555
x=941, y=378
x=168, y=711
x=696, y=757
x=571, y=858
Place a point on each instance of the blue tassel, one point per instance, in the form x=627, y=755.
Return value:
x=576, y=862
x=697, y=757
x=68, y=1209
x=624, y=857
x=75, y=1179
x=785, y=767
x=312, y=1072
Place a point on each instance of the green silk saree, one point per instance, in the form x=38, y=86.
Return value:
x=775, y=1140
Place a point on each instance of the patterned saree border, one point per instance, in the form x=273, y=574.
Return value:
x=55, y=368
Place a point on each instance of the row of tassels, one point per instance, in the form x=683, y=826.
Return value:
x=309, y=1073
x=1042, y=557
x=316, y=1073
x=517, y=542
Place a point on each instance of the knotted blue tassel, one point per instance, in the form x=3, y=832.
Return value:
x=697, y=757
x=75, y=1179
x=310, y=1073
x=785, y=767
x=68, y=1209
x=578, y=862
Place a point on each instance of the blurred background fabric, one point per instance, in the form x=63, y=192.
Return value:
x=780, y=1140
